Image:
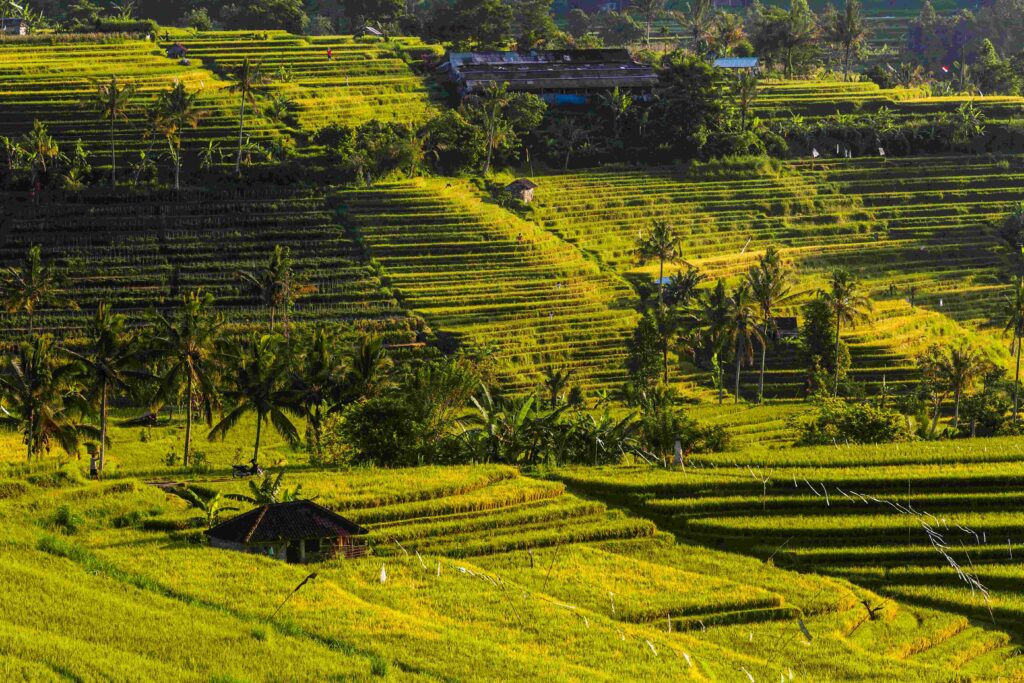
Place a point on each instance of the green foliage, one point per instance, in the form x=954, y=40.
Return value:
x=838, y=421
x=373, y=150
x=66, y=521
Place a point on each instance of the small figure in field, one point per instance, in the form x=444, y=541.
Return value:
x=330, y=54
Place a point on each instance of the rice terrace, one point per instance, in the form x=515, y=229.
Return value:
x=512, y=340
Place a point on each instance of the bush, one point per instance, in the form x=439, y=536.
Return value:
x=66, y=520
x=123, y=26
x=858, y=423
x=199, y=19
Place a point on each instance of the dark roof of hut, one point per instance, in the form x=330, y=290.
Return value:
x=285, y=521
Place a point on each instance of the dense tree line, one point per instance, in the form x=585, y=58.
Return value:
x=723, y=330
x=358, y=405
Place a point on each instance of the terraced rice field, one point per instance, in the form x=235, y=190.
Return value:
x=157, y=247
x=782, y=99
x=465, y=575
x=496, y=283
x=909, y=228
x=52, y=83
x=366, y=79
x=893, y=519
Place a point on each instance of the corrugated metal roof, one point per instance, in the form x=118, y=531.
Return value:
x=737, y=62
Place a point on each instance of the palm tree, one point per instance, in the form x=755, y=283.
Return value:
x=555, y=382
x=31, y=287
x=249, y=80
x=176, y=110
x=713, y=321
x=744, y=328
x=268, y=492
x=40, y=148
x=744, y=90
x=318, y=384
x=846, y=29
x=491, y=106
x=276, y=285
x=650, y=10
x=770, y=287
x=368, y=369
x=697, y=18
x=682, y=287
x=256, y=384
x=41, y=398
x=1013, y=314
x=660, y=242
x=112, y=102
x=109, y=361
x=186, y=345
x=965, y=366
x=847, y=305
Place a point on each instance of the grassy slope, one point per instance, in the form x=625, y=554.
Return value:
x=969, y=493
x=902, y=225
x=494, y=281
x=595, y=609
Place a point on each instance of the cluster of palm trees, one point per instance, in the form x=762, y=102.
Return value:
x=59, y=392
x=719, y=324
x=173, y=111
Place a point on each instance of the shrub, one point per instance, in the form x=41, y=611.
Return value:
x=860, y=423
x=66, y=520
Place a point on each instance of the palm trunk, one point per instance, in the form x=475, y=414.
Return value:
x=846, y=63
x=256, y=448
x=721, y=384
x=177, y=167
x=103, y=427
x=835, y=388
x=935, y=418
x=1016, y=383
x=188, y=422
x=739, y=365
x=29, y=435
x=241, y=134
x=113, y=155
x=956, y=408
x=764, y=356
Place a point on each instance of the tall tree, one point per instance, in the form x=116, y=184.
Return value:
x=650, y=11
x=847, y=305
x=770, y=287
x=318, y=382
x=1013, y=315
x=249, y=80
x=744, y=87
x=176, y=110
x=743, y=330
x=277, y=285
x=368, y=369
x=661, y=242
x=42, y=399
x=697, y=20
x=502, y=115
x=534, y=24
x=110, y=360
x=113, y=102
x=41, y=149
x=32, y=286
x=256, y=383
x=847, y=29
x=714, y=318
x=186, y=346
